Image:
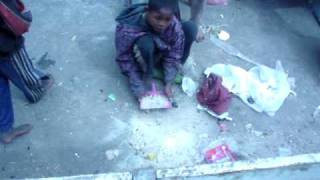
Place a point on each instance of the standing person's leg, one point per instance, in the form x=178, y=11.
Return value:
x=197, y=7
x=190, y=30
x=7, y=132
x=20, y=70
x=6, y=109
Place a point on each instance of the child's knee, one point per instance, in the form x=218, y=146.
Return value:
x=146, y=46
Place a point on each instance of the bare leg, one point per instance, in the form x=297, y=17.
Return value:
x=197, y=7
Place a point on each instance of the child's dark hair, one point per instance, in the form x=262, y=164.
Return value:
x=156, y=5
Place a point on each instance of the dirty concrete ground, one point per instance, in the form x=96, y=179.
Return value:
x=79, y=130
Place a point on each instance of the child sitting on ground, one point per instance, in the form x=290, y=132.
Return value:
x=150, y=35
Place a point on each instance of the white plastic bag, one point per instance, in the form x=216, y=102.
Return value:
x=262, y=88
x=189, y=86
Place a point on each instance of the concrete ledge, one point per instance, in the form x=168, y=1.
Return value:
x=260, y=164
x=208, y=169
x=108, y=176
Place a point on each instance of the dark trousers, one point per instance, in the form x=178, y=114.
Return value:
x=315, y=7
x=148, y=50
x=18, y=69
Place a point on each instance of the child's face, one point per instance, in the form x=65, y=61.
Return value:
x=159, y=20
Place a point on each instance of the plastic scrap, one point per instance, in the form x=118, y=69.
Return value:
x=219, y=154
x=112, y=97
x=262, y=88
x=189, y=86
x=224, y=116
x=213, y=95
x=231, y=50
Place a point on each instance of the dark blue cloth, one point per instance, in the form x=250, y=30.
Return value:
x=18, y=69
x=6, y=109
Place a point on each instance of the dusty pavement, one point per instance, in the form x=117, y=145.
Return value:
x=76, y=124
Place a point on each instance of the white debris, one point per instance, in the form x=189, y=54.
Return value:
x=292, y=82
x=189, y=86
x=257, y=133
x=112, y=154
x=224, y=116
x=74, y=38
x=223, y=35
x=249, y=126
x=316, y=113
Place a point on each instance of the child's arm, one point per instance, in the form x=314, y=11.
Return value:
x=172, y=60
x=125, y=59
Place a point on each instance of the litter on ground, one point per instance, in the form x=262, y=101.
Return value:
x=189, y=86
x=262, y=88
x=224, y=116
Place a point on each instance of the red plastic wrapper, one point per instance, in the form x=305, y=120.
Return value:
x=221, y=153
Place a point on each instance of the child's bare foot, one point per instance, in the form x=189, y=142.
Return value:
x=200, y=36
x=8, y=137
x=48, y=82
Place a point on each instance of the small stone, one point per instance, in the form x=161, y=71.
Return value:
x=249, y=126
x=258, y=133
x=74, y=38
x=112, y=154
x=75, y=79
